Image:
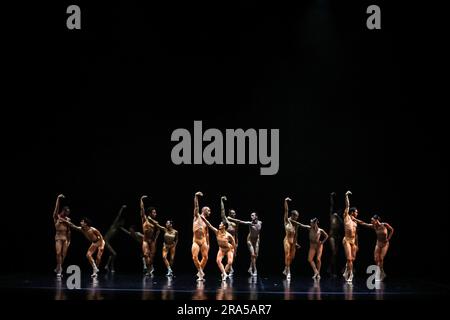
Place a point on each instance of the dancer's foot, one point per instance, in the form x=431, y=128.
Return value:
x=224, y=276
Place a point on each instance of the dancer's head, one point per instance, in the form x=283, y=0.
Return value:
x=206, y=211
x=314, y=222
x=223, y=226
x=65, y=212
x=353, y=211
x=254, y=216
x=169, y=224
x=151, y=212
x=376, y=220
x=232, y=213
x=85, y=222
x=294, y=215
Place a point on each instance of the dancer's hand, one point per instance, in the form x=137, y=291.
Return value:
x=223, y=198
x=333, y=194
x=288, y=199
x=61, y=196
x=144, y=197
x=124, y=206
x=199, y=194
x=348, y=193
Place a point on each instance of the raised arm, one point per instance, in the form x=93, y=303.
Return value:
x=210, y=225
x=222, y=210
x=286, y=210
x=196, y=206
x=390, y=229
x=57, y=205
x=332, y=195
x=324, y=234
x=347, y=204
x=143, y=217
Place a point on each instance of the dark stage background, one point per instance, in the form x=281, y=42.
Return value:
x=352, y=106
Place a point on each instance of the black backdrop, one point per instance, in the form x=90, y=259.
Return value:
x=352, y=106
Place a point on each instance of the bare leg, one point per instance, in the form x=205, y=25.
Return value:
x=59, y=256
x=311, y=255
x=287, y=257
x=204, y=250
x=230, y=259
x=319, y=259
x=152, y=255
x=195, y=252
x=383, y=253
x=252, y=257
x=89, y=254
x=219, y=259
x=164, y=256
x=349, y=256
x=146, y=252
x=99, y=255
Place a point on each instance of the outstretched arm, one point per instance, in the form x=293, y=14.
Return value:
x=286, y=210
x=196, y=206
x=143, y=217
x=347, y=204
x=305, y=226
x=222, y=210
x=240, y=221
x=362, y=223
x=56, y=211
x=209, y=225
x=157, y=224
x=71, y=224
x=390, y=229
x=325, y=236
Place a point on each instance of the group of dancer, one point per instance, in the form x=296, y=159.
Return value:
x=227, y=239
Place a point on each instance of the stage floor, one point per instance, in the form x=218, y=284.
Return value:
x=185, y=287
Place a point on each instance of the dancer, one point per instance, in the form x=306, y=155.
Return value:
x=334, y=236
x=117, y=223
x=290, y=239
x=151, y=233
x=200, y=241
x=97, y=243
x=170, y=244
x=253, y=239
x=226, y=247
x=384, y=234
x=349, y=240
x=315, y=246
x=62, y=236
x=139, y=237
x=232, y=228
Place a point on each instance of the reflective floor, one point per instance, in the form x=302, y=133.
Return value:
x=184, y=287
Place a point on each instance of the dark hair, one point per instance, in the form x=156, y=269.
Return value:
x=150, y=209
x=376, y=217
x=352, y=209
x=87, y=221
x=314, y=220
x=294, y=212
x=225, y=224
